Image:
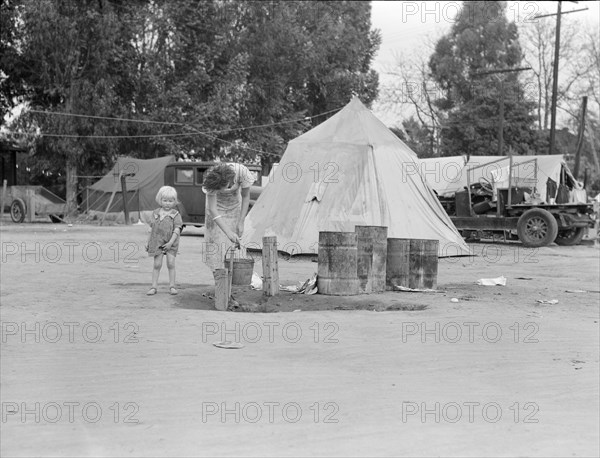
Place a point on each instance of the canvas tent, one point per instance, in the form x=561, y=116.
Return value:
x=350, y=170
x=142, y=186
x=446, y=175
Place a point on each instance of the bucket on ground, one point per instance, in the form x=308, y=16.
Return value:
x=337, y=264
x=371, y=258
x=242, y=271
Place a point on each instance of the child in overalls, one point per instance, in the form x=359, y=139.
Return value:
x=166, y=226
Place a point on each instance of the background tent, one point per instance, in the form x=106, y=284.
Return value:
x=446, y=175
x=148, y=177
x=350, y=170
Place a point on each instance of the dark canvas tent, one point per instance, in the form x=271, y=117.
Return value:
x=147, y=176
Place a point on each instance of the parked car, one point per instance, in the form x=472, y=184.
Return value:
x=187, y=178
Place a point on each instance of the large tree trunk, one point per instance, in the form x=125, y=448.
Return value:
x=71, y=185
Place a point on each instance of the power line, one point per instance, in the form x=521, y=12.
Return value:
x=205, y=134
x=58, y=113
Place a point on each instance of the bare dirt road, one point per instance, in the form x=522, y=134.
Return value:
x=90, y=366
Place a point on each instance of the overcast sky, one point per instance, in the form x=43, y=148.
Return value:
x=407, y=27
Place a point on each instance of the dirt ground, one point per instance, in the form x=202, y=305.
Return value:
x=91, y=366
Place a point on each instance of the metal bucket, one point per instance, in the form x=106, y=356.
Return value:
x=242, y=271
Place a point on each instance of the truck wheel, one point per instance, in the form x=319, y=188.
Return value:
x=570, y=237
x=17, y=211
x=537, y=227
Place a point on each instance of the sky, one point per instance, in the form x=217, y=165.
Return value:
x=407, y=28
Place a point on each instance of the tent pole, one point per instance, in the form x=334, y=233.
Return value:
x=469, y=192
x=112, y=196
x=124, y=193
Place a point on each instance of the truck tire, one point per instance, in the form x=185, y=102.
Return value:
x=537, y=227
x=17, y=211
x=570, y=237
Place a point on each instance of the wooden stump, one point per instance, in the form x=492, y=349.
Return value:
x=222, y=292
x=270, y=266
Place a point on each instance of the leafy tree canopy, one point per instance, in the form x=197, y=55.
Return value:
x=467, y=65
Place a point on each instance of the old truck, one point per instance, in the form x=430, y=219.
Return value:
x=187, y=178
x=515, y=206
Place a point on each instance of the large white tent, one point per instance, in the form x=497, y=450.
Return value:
x=349, y=170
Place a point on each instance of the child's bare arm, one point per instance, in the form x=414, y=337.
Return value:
x=176, y=232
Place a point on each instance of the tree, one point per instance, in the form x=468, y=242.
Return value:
x=146, y=78
x=412, y=87
x=66, y=58
x=579, y=76
x=305, y=58
x=480, y=42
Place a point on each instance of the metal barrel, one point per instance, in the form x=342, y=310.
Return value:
x=371, y=258
x=337, y=264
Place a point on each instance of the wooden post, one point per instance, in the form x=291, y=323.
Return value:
x=510, y=167
x=270, y=266
x=30, y=205
x=221, y=289
x=3, y=198
x=86, y=190
x=124, y=193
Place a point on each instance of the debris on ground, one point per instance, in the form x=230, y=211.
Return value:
x=416, y=290
x=256, y=282
x=308, y=287
x=228, y=344
x=501, y=281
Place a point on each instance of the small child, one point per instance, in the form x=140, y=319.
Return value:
x=166, y=226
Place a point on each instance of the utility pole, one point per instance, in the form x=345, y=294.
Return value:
x=555, y=71
x=580, y=137
x=501, y=123
x=555, y=81
x=501, y=110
